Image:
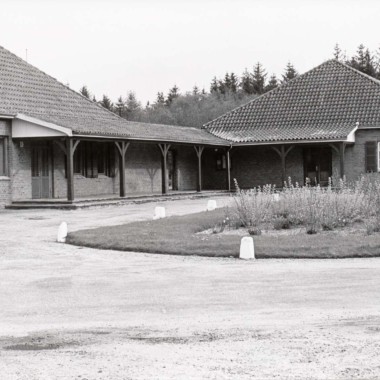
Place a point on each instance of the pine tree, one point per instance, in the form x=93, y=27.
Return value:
x=214, y=85
x=84, y=91
x=94, y=99
x=160, y=100
x=120, y=106
x=106, y=102
x=132, y=107
x=338, y=53
x=234, y=83
x=290, y=73
x=195, y=90
x=173, y=93
x=227, y=82
x=369, y=64
x=258, y=79
x=246, y=83
x=273, y=83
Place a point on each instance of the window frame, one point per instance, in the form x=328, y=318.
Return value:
x=4, y=166
x=90, y=156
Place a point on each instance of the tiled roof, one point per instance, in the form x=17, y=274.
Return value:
x=324, y=103
x=26, y=90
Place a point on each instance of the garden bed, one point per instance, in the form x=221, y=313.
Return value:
x=194, y=235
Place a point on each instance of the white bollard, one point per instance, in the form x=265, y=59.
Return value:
x=247, y=249
x=62, y=233
x=211, y=205
x=159, y=213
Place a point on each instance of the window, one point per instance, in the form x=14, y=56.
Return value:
x=221, y=162
x=3, y=156
x=92, y=159
x=372, y=158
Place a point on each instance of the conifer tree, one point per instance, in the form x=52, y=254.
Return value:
x=290, y=73
x=84, y=91
x=160, y=100
x=234, y=83
x=120, y=106
x=338, y=53
x=214, y=85
x=246, y=83
x=106, y=102
x=273, y=83
x=132, y=107
x=258, y=79
x=173, y=93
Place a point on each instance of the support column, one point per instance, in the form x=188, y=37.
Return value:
x=199, y=151
x=70, y=169
x=228, y=159
x=342, y=148
x=164, y=148
x=122, y=148
x=282, y=152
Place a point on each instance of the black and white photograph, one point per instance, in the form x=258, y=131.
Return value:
x=189, y=189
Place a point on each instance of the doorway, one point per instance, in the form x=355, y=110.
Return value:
x=41, y=180
x=172, y=171
x=318, y=165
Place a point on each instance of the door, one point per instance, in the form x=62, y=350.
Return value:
x=318, y=165
x=40, y=172
x=172, y=171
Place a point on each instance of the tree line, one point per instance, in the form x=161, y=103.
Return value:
x=198, y=106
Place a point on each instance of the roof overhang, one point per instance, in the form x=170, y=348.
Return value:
x=24, y=126
x=151, y=140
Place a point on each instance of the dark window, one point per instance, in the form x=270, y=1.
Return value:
x=3, y=157
x=92, y=159
x=371, y=156
x=221, y=162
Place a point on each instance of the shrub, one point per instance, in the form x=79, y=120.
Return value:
x=254, y=231
x=281, y=223
x=337, y=205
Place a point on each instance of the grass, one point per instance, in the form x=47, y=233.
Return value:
x=177, y=235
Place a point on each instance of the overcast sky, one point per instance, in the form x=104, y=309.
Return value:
x=146, y=46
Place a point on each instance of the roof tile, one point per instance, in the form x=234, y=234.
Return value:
x=324, y=103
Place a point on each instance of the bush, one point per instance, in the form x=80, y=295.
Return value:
x=281, y=223
x=315, y=208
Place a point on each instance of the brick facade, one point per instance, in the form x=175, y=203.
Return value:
x=250, y=166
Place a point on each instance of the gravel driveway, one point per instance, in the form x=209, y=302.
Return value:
x=79, y=313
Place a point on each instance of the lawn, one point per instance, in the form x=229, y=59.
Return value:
x=179, y=235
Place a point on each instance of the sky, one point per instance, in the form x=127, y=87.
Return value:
x=147, y=46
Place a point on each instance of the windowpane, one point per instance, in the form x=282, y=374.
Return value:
x=371, y=156
x=2, y=157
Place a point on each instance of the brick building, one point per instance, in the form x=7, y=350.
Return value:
x=56, y=144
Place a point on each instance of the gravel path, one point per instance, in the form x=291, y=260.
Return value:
x=78, y=313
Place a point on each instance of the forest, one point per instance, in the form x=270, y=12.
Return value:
x=198, y=106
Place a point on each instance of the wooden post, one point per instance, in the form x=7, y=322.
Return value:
x=199, y=151
x=122, y=148
x=70, y=169
x=282, y=152
x=340, y=151
x=164, y=148
x=342, y=148
x=228, y=159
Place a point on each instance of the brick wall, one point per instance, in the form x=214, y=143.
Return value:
x=187, y=167
x=252, y=166
x=355, y=155
x=142, y=167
